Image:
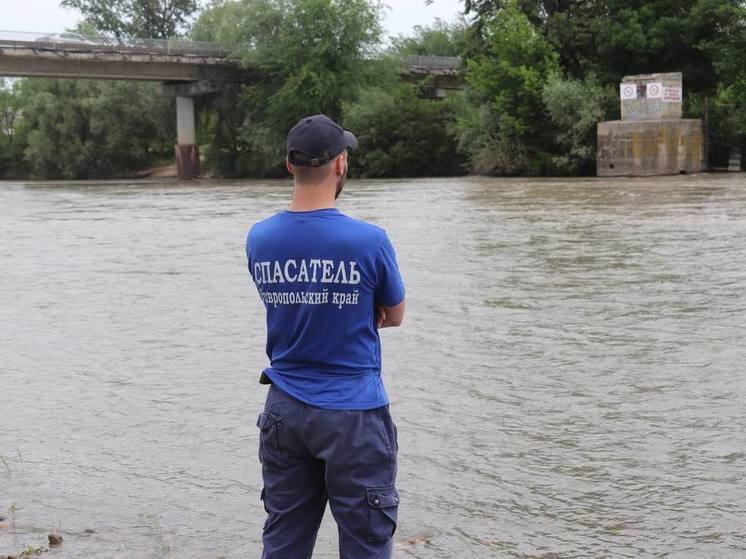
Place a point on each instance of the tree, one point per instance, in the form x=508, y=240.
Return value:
x=612, y=38
x=440, y=39
x=402, y=135
x=575, y=107
x=508, y=79
x=93, y=129
x=658, y=37
x=314, y=56
x=10, y=110
x=605, y=39
x=11, y=113
x=151, y=19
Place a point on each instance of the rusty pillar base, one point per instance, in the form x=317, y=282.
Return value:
x=187, y=161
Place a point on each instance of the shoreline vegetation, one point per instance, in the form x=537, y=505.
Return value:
x=538, y=77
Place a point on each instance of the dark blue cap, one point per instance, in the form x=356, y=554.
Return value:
x=316, y=140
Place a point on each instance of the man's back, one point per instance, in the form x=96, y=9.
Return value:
x=320, y=274
x=328, y=282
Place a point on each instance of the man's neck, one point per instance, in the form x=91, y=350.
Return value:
x=317, y=197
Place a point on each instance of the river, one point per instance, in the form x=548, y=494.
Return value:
x=569, y=381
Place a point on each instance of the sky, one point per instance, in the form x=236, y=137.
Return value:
x=47, y=17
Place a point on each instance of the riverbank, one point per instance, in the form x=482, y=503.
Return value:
x=158, y=172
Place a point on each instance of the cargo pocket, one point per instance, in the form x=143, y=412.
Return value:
x=383, y=504
x=269, y=439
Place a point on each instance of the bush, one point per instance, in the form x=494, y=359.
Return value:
x=401, y=135
x=508, y=135
x=575, y=107
x=314, y=55
x=94, y=129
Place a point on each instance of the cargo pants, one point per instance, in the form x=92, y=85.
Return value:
x=310, y=456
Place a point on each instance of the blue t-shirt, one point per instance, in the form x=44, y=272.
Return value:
x=319, y=274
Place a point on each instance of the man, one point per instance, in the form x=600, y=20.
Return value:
x=328, y=283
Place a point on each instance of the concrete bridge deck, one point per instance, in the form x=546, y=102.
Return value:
x=66, y=56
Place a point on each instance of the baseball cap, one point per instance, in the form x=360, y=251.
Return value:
x=316, y=140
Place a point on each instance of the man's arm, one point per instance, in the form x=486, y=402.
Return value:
x=387, y=317
x=389, y=287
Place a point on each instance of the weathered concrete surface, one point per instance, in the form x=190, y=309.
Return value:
x=187, y=152
x=645, y=148
x=185, y=127
x=647, y=106
x=119, y=66
x=187, y=161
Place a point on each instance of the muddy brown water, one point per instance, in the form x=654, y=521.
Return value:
x=569, y=381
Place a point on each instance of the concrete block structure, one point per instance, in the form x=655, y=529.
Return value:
x=648, y=147
x=651, y=138
x=651, y=97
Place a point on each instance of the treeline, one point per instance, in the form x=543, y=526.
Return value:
x=538, y=76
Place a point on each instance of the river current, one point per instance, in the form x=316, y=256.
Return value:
x=569, y=381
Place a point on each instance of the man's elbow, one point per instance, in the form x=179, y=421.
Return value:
x=395, y=322
x=395, y=315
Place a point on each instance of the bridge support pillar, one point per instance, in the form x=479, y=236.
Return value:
x=187, y=152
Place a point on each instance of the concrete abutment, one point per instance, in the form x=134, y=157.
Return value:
x=650, y=147
x=651, y=138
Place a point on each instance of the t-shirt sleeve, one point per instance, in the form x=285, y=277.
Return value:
x=389, y=285
x=248, y=251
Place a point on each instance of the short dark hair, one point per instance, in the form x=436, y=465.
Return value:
x=310, y=175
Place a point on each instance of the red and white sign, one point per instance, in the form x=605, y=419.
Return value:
x=672, y=94
x=655, y=91
x=628, y=91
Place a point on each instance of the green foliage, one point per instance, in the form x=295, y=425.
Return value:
x=575, y=107
x=540, y=74
x=654, y=36
x=439, y=39
x=727, y=120
x=508, y=78
x=402, y=135
x=152, y=19
x=10, y=119
x=222, y=117
x=606, y=39
x=613, y=38
x=91, y=129
x=314, y=55
x=10, y=109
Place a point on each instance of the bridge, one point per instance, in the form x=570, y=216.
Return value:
x=184, y=68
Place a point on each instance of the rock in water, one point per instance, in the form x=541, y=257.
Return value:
x=54, y=539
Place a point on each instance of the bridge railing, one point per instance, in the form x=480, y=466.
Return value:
x=78, y=42
x=430, y=62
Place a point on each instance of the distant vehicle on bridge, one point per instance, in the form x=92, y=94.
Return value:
x=66, y=39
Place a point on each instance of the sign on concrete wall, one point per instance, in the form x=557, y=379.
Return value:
x=655, y=90
x=651, y=96
x=651, y=138
x=628, y=91
x=672, y=94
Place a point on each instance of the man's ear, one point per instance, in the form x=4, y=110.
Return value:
x=289, y=166
x=339, y=163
